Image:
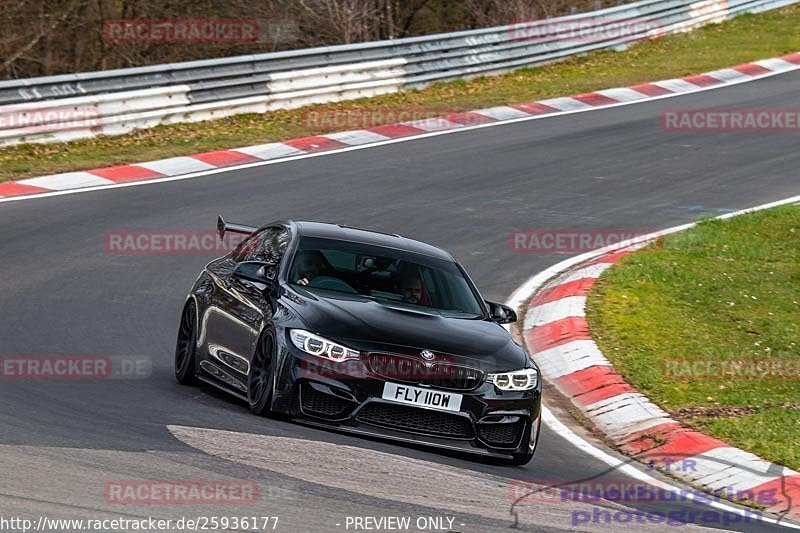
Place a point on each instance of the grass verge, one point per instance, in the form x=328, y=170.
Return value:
x=746, y=38
x=678, y=319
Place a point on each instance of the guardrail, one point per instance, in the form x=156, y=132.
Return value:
x=58, y=108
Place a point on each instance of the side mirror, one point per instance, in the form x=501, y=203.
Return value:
x=502, y=314
x=257, y=271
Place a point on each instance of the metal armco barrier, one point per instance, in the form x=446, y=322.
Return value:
x=72, y=106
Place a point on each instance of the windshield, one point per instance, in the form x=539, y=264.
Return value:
x=384, y=274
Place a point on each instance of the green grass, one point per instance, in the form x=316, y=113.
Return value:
x=746, y=38
x=723, y=291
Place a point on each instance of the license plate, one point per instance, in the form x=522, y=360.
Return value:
x=446, y=401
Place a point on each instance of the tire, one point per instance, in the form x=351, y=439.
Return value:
x=260, y=376
x=186, y=346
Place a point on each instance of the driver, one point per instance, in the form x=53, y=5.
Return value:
x=310, y=264
x=411, y=289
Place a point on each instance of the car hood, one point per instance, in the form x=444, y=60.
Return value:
x=368, y=325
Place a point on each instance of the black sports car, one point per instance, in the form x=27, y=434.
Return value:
x=363, y=331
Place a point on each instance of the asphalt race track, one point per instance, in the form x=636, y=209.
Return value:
x=63, y=293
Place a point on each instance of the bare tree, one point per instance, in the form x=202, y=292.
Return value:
x=342, y=21
x=496, y=12
x=44, y=37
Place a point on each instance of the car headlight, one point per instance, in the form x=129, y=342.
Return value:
x=320, y=346
x=525, y=379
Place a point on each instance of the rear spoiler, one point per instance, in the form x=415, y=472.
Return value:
x=223, y=226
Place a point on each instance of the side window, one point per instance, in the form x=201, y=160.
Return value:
x=268, y=245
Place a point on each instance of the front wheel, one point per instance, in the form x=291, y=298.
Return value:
x=259, y=378
x=186, y=347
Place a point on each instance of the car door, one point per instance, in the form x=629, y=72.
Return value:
x=241, y=307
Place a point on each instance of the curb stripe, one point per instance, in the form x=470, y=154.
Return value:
x=591, y=271
x=622, y=94
x=594, y=384
x=356, y=137
x=676, y=85
x=751, y=69
x=654, y=437
x=14, y=188
x=558, y=333
x=788, y=486
x=270, y=151
x=224, y=158
x=792, y=58
x=611, y=258
x=567, y=103
x=702, y=80
x=535, y=108
x=176, y=165
x=650, y=89
x=394, y=131
x=468, y=118
x=595, y=99
x=314, y=143
x=125, y=173
x=579, y=287
x=569, y=357
x=775, y=64
x=68, y=180
x=433, y=124
x=567, y=307
x=686, y=443
x=726, y=467
x=502, y=113
x=625, y=413
x=727, y=75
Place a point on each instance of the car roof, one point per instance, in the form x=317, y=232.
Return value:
x=364, y=236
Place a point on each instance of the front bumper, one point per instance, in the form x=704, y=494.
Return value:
x=346, y=396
